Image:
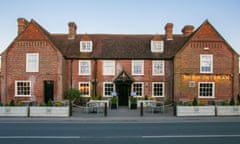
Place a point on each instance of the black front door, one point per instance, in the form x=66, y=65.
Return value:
x=123, y=93
x=48, y=90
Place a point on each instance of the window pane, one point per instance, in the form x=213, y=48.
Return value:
x=138, y=88
x=137, y=67
x=108, y=68
x=206, y=63
x=158, y=67
x=206, y=89
x=23, y=88
x=85, y=46
x=108, y=89
x=158, y=89
x=84, y=89
x=32, y=63
x=84, y=67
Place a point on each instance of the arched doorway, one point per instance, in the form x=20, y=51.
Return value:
x=123, y=88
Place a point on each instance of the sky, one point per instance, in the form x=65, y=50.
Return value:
x=121, y=16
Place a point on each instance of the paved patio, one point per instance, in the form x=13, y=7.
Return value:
x=123, y=112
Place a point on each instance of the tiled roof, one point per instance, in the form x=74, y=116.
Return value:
x=115, y=46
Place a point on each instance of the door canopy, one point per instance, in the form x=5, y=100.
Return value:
x=123, y=77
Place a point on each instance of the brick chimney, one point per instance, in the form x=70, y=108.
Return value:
x=72, y=30
x=168, y=31
x=22, y=24
x=187, y=30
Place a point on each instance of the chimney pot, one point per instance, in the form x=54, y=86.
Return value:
x=72, y=28
x=22, y=24
x=187, y=30
x=168, y=31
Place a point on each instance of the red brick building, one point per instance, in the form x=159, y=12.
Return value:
x=41, y=65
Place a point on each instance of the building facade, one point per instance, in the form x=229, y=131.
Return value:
x=39, y=65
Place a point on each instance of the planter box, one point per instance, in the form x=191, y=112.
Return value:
x=133, y=106
x=228, y=110
x=49, y=111
x=114, y=106
x=195, y=111
x=14, y=111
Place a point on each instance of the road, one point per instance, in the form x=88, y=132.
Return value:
x=120, y=133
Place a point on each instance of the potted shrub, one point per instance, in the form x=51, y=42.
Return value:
x=114, y=102
x=133, y=101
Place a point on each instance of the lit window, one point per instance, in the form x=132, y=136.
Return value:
x=32, y=62
x=137, y=67
x=84, y=88
x=157, y=46
x=86, y=46
x=137, y=87
x=158, y=68
x=206, y=89
x=23, y=88
x=108, y=88
x=108, y=67
x=158, y=89
x=84, y=67
x=206, y=63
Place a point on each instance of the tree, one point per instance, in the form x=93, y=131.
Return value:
x=73, y=94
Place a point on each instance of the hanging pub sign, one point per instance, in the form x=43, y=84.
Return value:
x=216, y=77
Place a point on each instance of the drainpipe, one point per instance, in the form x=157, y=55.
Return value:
x=6, y=79
x=95, y=78
x=69, y=97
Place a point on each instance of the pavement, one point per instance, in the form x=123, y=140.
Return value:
x=120, y=115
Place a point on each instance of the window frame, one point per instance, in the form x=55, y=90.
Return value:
x=134, y=62
x=157, y=46
x=163, y=89
x=104, y=86
x=202, y=63
x=16, y=88
x=142, y=87
x=89, y=46
x=36, y=65
x=89, y=89
x=105, y=69
x=213, y=89
x=80, y=68
x=162, y=62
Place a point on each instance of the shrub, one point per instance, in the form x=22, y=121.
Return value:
x=19, y=104
x=58, y=104
x=232, y=102
x=49, y=103
x=114, y=100
x=12, y=103
x=133, y=100
x=195, y=102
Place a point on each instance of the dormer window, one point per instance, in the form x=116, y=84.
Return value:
x=157, y=46
x=86, y=46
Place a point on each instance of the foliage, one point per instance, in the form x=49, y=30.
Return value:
x=43, y=104
x=225, y=103
x=58, y=104
x=49, y=103
x=12, y=103
x=114, y=100
x=232, y=102
x=19, y=104
x=133, y=100
x=73, y=94
x=195, y=102
x=201, y=104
